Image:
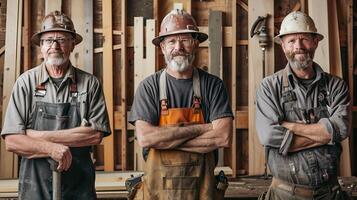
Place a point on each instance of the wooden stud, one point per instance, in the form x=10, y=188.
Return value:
x=234, y=86
x=27, y=35
x=52, y=5
x=123, y=87
x=216, y=55
x=143, y=67
x=82, y=17
x=256, y=151
x=318, y=11
x=108, y=81
x=8, y=164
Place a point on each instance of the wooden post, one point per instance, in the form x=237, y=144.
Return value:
x=52, y=5
x=318, y=11
x=234, y=87
x=256, y=151
x=108, y=82
x=8, y=164
x=123, y=87
x=215, y=67
x=143, y=67
x=27, y=35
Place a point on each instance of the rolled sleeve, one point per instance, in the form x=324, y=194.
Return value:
x=16, y=117
x=98, y=115
x=338, y=108
x=268, y=117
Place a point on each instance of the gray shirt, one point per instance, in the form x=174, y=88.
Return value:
x=22, y=101
x=272, y=109
x=146, y=105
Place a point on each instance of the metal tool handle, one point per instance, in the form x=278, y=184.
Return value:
x=56, y=180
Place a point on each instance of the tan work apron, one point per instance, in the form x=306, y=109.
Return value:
x=174, y=174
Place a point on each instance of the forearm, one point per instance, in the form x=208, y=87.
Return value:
x=171, y=137
x=219, y=136
x=27, y=147
x=74, y=137
x=196, y=149
x=316, y=132
x=299, y=143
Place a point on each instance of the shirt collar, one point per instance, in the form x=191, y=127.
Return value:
x=293, y=79
x=44, y=76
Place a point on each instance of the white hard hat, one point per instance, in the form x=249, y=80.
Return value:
x=297, y=22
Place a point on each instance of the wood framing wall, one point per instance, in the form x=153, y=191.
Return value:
x=117, y=51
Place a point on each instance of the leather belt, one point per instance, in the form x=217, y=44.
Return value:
x=302, y=191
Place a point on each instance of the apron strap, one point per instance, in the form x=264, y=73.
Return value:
x=196, y=90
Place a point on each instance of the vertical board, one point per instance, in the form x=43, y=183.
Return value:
x=27, y=35
x=143, y=67
x=8, y=164
x=82, y=17
x=52, y=5
x=123, y=78
x=108, y=82
x=318, y=11
x=234, y=86
x=256, y=151
x=215, y=66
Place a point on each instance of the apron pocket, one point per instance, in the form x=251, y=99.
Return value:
x=180, y=187
x=179, y=158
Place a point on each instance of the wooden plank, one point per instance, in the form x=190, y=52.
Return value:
x=27, y=35
x=336, y=69
x=88, y=37
x=141, y=72
x=215, y=66
x=123, y=82
x=234, y=87
x=215, y=43
x=256, y=151
x=52, y=5
x=8, y=164
x=77, y=16
x=108, y=81
x=243, y=5
x=318, y=11
x=2, y=50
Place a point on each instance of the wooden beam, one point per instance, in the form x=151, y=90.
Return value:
x=243, y=5
x=234, y=87
x=318, y=11
x=108, y=81
x=123, y=62
x=256, y=73
x=2, y=50
x=52, y=5
x=82, y=17
x=27, y=35
x=215, y=43
x=8, y=164
x=215, y=49
x=143, y=67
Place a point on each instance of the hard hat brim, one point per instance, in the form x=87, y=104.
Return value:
x=277, y=39
x=35, y=39
x=201, y=37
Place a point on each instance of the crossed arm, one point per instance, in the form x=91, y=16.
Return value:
x=54, y=144
x=198, y=138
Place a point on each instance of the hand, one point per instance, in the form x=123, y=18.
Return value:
x=61, y=154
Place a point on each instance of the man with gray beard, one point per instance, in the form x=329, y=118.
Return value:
x=182, y=116
x=302, y=115
x=55, y=113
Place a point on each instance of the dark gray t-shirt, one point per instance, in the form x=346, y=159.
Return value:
x=146, y=105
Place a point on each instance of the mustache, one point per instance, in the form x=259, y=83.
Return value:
x=174, y=54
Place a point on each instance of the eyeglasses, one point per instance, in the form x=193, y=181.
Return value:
x=186, y=42
x=50, y=41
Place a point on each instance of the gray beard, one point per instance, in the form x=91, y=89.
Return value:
x=55, y=62
x=301, y=64
x=180, y=63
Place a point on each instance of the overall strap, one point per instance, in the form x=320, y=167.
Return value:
x=288, y=94
x=196, y=89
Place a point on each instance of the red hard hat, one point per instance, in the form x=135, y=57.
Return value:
x=56, y=21
x=177, y=22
